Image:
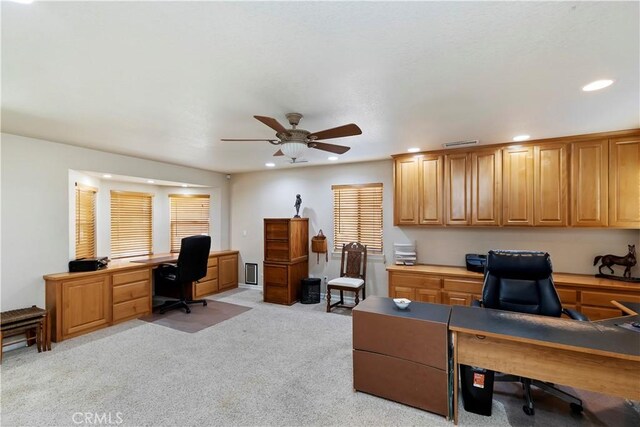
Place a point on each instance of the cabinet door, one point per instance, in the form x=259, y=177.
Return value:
x=624, y=182
x=403, y=292
x=589, y=184
x=517, y=185
x=86, y=305
x=428, y=295
x=457, y=189
x=456, y=298
x=550, y=185
x=406, y=191
x=486, y=180
x=228, y=271
x=431, y=176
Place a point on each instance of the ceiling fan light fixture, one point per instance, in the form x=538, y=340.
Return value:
x=293, y=150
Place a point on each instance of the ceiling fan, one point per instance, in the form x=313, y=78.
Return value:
x=293, y=141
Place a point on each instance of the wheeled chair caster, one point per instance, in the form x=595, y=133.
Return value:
x=527, y=410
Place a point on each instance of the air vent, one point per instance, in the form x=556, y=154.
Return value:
x=250, y=273
x=460, y=143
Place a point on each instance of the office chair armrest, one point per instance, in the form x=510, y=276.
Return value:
x=167, y=269
x=575, y=315
x=476, y=303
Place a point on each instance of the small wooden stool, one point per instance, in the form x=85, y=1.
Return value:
x=33, y=322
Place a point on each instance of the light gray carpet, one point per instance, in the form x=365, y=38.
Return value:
x=272, y=365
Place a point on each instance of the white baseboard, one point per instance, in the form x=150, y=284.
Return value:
x=323, y=296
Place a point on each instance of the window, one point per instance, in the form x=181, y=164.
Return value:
x=85, y=221
x=131, y=224
x=357, y=215
x=189, y=216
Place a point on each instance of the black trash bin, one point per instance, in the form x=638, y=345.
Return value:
x=477, y=389
x=310, y=291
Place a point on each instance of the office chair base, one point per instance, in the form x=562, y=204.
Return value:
x=170, y=305
x=574, y=403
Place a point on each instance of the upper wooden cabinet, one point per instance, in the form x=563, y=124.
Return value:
x=486, y=185
x=406, y=191
x=286, y=239
x=457, y=189
x=624, y=182
x=431, y=200
x=580, y=181
x=517, y=185
x=589, y=183
x=550, y=204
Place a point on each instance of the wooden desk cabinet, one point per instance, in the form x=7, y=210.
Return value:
x=83, y=302
x=286, y=252
x=402, y=355
x=457, y=286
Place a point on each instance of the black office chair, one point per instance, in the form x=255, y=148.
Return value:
x=522, y=281
x=191, y=266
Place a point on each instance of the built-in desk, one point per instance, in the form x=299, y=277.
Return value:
x=83, y=302
x=457, y=286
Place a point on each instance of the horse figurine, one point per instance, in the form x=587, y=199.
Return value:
x=608, y=260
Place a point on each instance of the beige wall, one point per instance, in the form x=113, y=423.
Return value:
x=271, y=193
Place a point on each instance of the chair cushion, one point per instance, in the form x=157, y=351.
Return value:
x=347, y=281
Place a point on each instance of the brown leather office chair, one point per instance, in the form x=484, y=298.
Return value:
x=353, y=275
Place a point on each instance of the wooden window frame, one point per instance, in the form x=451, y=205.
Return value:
x=123, y=244
x=198, y=226
x=373, y=239
x=86, y=241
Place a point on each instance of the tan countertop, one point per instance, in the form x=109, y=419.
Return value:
x=128, y=264
x=582, y=280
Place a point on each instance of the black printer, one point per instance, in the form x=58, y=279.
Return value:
x=88, y=264
x=476, y=262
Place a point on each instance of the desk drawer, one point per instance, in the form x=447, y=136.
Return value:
x=276, y=294
x=463, y=285
x=415, y=280
x=275, y=275
x=212, y=273
x=206, y=288
x=567, y=296
x=213, y=261
x=401, y=380
x=131, y=276
x=599, y=313
x=130, y=291
x=603, y=299
x=128, y=309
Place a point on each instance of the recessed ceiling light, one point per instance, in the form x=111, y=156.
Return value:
x=413, y=150
x=270, y=165
x=597, y=85
x=150, y=181
x=521, y=138
x=185, y=185
x=106, y=175
x=332, y=158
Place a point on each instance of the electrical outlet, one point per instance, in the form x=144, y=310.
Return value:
x=325, y=280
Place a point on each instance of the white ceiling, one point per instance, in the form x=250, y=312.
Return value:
x=166, y=81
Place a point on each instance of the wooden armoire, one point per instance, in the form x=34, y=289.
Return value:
x=286, y=253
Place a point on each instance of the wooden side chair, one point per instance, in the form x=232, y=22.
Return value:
x=353, y=274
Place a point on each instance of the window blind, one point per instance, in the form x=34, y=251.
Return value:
x=131, y=223
x=85, y=221
x=357, y=215
x=189, y=217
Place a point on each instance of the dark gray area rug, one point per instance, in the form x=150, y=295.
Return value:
x=200, y=317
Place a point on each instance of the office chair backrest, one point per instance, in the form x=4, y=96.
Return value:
x=193, y=258
x=520, y=281
x=353, y=262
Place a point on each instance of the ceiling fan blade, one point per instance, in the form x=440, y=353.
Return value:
x=341, y=131
x=273, y=124
x=332, y=148
x=232, y=139
x=279, y=153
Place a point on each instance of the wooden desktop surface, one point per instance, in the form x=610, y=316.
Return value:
x=586, y=337
x=127, y=264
